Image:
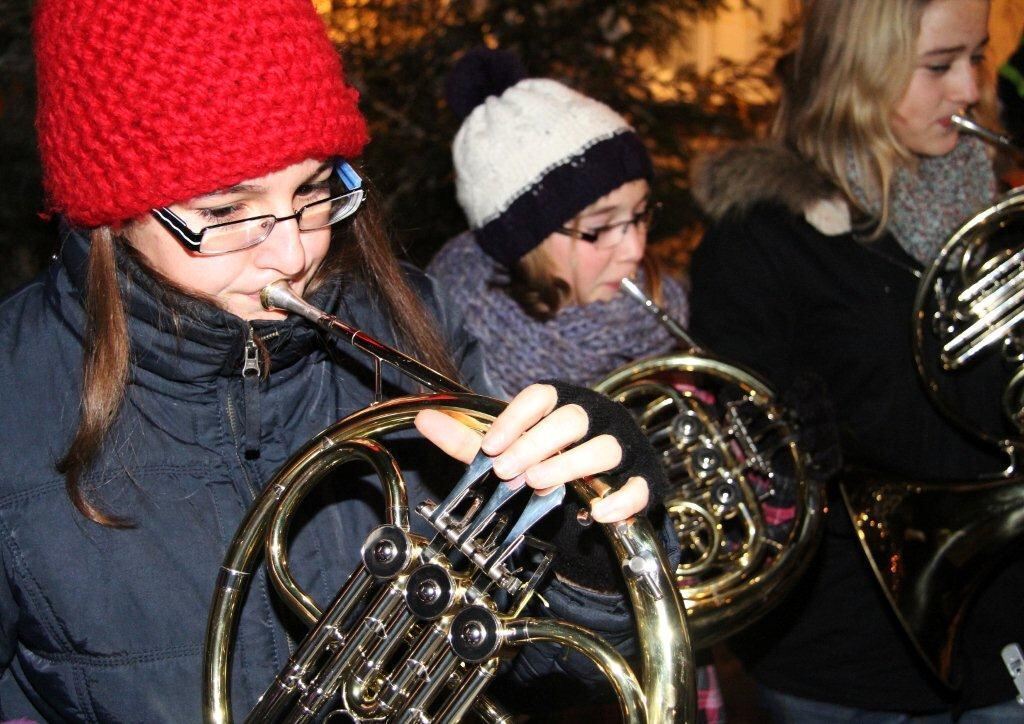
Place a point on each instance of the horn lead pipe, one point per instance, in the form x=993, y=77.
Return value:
x=674, y=328
x=281, y=296
x=986, y=134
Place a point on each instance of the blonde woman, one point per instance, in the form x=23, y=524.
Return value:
x=811, y=277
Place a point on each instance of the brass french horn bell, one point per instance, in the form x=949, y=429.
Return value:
x=416, y=633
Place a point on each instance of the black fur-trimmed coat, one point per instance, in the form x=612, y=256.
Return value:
x=783, y=284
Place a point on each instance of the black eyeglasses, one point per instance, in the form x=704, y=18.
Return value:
x=603, y=237
x=342, y=197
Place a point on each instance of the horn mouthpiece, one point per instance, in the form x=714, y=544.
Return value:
x=967, y=125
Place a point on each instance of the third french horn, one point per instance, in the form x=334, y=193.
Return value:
x=743, y=505
x=932, y=543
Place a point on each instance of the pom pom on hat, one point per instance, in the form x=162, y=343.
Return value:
x=530, y=157
x=479, y=74
x=146, y=103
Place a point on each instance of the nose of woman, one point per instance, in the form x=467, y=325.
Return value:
x=634, y=241
x=963, y=89
x=283, y=250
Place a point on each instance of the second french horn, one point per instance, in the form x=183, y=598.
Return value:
x=971, y=303
x=743, y=505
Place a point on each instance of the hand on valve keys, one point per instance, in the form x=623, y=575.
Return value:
x=552, y=433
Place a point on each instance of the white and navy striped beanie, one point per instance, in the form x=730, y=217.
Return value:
x=532, y=153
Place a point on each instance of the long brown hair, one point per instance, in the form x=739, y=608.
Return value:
x=540, y=293
x=850, y=68
x=361, y=249
x=532, y=284
x=105, y=363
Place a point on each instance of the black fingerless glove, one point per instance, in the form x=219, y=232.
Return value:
x=584, y=554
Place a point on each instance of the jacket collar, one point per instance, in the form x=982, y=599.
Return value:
x=201, y=341
x=733, y=180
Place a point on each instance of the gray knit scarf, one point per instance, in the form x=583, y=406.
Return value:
x=929, y=205
x=581, y=344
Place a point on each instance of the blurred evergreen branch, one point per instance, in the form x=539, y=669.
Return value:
x=26, y=241
x=398, y=53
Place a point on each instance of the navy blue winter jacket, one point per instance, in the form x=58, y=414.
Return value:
x=98, y=624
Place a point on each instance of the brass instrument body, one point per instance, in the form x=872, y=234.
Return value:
x=398, y=660
x=735, y=469
x=931, y=544
x=970, y=302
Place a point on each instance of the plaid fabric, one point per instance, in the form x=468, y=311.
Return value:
x=710, y=707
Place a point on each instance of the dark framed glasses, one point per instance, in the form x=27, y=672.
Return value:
x=605, y=237
x=342, y=197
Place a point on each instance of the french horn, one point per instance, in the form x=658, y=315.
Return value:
x=932, y=543
x=970, y=303
x=416, y=632
x=742, y=502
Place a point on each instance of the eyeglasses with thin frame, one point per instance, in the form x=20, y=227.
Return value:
x=343, y=196
x=603, y=237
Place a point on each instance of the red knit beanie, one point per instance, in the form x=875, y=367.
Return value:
x=144, y=103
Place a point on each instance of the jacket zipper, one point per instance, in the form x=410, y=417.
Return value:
x=233, y=423
x=251, y=372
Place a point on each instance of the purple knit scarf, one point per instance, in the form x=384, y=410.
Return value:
x=581, y=344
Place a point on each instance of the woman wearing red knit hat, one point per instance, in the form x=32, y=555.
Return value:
x=196, y=152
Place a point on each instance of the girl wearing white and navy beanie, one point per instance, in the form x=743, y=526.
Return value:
x=531, y=152
x=537, y=166
x=539, y=169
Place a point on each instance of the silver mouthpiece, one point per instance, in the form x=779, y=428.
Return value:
x=674, y=328
x=630, y=288
x=280, y=296
x=966, y=125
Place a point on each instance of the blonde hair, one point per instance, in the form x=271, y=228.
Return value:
x=850, y=68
